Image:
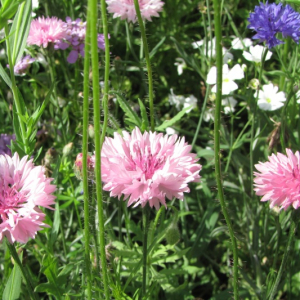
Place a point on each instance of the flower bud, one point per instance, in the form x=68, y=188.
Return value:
x=254, y=84
x=67, y=149
x=91, y=131
x=173, y=235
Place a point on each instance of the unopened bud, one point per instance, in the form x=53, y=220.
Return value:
x=91, y=131
x=173, y=235
x=254, y=84
x=50, y=156
x=78, y=165
x=67, y=149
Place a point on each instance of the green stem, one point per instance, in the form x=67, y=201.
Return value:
x=219, y=61
x=147, y=57
x=92, y=6
x=85, y=137
x=24, y=271
x=106, y=71
x=146, y=212
x=16, y=94
x=294, y=222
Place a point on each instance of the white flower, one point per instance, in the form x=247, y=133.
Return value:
x=211, y=49
x=208, y=114
x=42, y=60
x=190, y=101
x=176, y=100
x=298, y=96
x=237, y=44
x=256, y=53
x=269, y=99
x=180, y=63
x=182, y=101
x=171, y=131
x=229, y=105
x=35, y=5
x=228, y=78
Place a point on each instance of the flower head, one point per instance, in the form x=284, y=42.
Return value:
x=46, y=30
x=229, y=76
x=269, y=99
x=255, y=54
x=23, y=65
x=278, y=180
x=5, y=140
x=179, y=100
x=125, y=9
x=148, y=168
x=23, y=188
x=229, y=105
x=269, y=19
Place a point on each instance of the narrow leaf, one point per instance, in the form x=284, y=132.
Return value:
x=13, y=286
x=145, y=122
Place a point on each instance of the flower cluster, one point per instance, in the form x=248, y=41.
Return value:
x=23, y=65
x=269, y=19
x=126, y=11
x=5, y=140
x=23, y=188
x=278, y=180
x=147, y=168
x=62, y=35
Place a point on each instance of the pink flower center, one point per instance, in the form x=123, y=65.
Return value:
x=10, y=201
x=146, y=162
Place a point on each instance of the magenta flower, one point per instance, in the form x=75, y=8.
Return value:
x=23, y=187
x=147, y=168
x=279, y=180
x=125, y=9
x=46, y=30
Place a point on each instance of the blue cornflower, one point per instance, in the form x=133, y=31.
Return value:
x=269, y=19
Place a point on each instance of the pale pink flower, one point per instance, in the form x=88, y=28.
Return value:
x=148, y=168
x=279, y=180
x=46, y=30
x=23, y=187
x=125, y=9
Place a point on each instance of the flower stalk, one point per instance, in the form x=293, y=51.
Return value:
x=85, y=113
x=92, y=6
x=219, y=60
x=146, y=213
x=148, y=62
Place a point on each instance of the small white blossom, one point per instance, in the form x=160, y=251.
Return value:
x=269, y=99
x=211, y=49
x=255, y=53
x=179, y=100
x=176, y=100
x=180, y=63
x=170, y=131
x=229, y=105
x=229, y=76
x=190, y=101
x=237, y=44
x=208, y=114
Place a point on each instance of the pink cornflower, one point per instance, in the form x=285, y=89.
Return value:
x=23, y=187
x=279, y=180
x=46, y=30
x=147, y=168
x=125, y=9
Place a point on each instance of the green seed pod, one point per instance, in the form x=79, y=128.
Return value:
x=173, y=234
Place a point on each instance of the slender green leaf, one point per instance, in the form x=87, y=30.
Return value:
x=145, y=122
x=13, y=286
x=4, y=76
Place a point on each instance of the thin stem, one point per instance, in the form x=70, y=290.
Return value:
x=92, y=6
x=147, y=57
x=219, y=58
x=24, y=271
x=85, y=137
x=16, y=93
x=294, y=222
x=146, y=212
x=106, y=71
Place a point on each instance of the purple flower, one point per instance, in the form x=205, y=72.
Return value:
x=75, y=38
x=269, y=19
x=23, y=65
x=5, y=140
